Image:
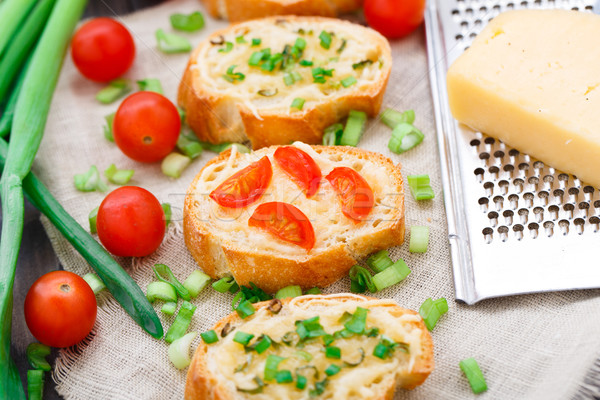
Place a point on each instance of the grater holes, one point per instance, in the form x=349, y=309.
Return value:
x=496, y=7
x=483, y=9
x=503, y=185
x=589, y=8
x=538, y=212
x=489, y=188
x=513, y=153
x=595, y=221
x=475, y=142
x=472, y=35
x=508, y=216
x=575, y=8
x=543, y=195
x=533, y=180
x=588, y=189
x=564, y=226
x=510, y=6
x=484, y=156
x=558, y=194
x=523, y=215
x=519, y=184
x=459, y=37
x=479, y=173
x=494, y=171
x=524, y=167
x=488, y=234
x=499, y=202
x=469, y=11
x=548, y=179
x=579, y=225
x=464, y=24
x=569, y=208
x=478, y=22
x=503, y=231
x=523, y=4
x=528, y=197
x=597, y=204
x=489, y=140
x=484, y=203
x=499, y=154
x=533, y=229
x=514, y=201
x=549, y=228
x=518, y=229
x=538, y=165
x=554, y=212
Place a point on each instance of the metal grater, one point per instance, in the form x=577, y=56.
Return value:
x=515, y=224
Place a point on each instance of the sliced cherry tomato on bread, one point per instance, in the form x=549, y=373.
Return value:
x=245, y=186
x=284, y=221
x=355, y=193
x=300, y=167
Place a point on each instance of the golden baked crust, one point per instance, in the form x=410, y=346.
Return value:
x=220, y=112
x=219, y=255
x=203, y=383
x=242, y=10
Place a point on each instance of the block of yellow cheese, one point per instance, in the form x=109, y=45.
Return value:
x=532, y=79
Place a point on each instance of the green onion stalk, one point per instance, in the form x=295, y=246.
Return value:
x=28, y=126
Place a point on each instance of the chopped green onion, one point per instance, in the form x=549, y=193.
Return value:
x=284, y=376
x=114, y=91
x=95, y=282
x=431, y=313
x=325, y=40
x=189, y=23
x=256, y=41
x=209, y=337
x=90, y=181
x=395, y=273
x=161, y=291
x=271, y=63
x=181, y=323
x=441, y=304
x=358, y=322
x=298, y=103
x=296, y=75
x=328, y=339
x=319, y=388
x=189, y=146
x=118, y=176
x=362, y=64
x=320, y=73
x=262, y=344
x=349, y=81
x=301, y=382
x=36, y=355
x=179, y=350
x=167, y=211
x=170, y=43
x=380, y=351
x=306, y=63
x=92, y=217
x=164, y=274
x=333, y=134
x=174, y=164
x=361, y=280
x=419, y=239
x=35, y=384
x=333, y=352
x=332, y=369
x=271, y=365
x=181, y=112
x=306, y=356
x=404, y=137
x=289, y=291
x=224, y=284
x=288, y=79
x=196, y=282
x=259, y=56
x=228, y=47
x=258, y=389
x=108, y=128
x=314, y=290
x=232, y=76
x=245, y=309
x=309, y=328
x=379, y=261
x=240, y=39
x=268, y=92
x=151, y=85
x=354, y=128
x=471, y=369
x=392, y=117
x=169, y=308
x=342, y=46
x=239, y=147
x=242, y=338
x=419, y=187
x=355, y=364
x=300, y=43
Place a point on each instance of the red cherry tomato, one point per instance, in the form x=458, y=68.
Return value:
x=394, y=18
x=284, y=221
x=130, y=222
x=102, y=49
x=245, y=186
x=60, y=309
x=355, y=193
x=146, y=126
x=300, y=167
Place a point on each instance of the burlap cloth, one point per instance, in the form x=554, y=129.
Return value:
x=529, y=347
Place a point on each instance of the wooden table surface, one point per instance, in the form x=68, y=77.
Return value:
x=37, y=256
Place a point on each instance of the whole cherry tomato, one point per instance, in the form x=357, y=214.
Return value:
x=146, y=126
x=102, y=49
x=284, y=221
x=354, y=191
x=394, y=18
x=300, y=167
x=245, y=186
x=130, y=222
x=60, y=309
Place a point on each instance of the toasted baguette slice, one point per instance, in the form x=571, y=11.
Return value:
x=242, y=10
x=222, y=243
x=212, y=372
x=223, y=107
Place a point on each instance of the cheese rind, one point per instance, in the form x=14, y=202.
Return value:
x=531, y=79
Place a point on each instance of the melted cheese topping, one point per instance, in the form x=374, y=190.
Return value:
x=323, y=209
x=360, y=45
x=359, y=382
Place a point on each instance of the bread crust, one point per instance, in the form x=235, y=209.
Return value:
x=218, y=118
x=201, y=383
x=272, y=272
x=242, y=10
